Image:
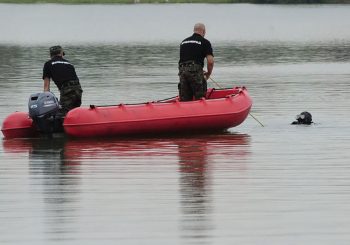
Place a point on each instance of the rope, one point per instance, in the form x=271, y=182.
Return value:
x=249, y=112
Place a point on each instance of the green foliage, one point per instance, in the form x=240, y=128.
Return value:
x=288, y=1
x=179, y=1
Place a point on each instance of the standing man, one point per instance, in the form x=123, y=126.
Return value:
x=62, y=72
x=193, y=51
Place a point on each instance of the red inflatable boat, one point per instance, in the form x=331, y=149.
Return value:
x=221, y=109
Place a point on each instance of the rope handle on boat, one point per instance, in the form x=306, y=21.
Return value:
x=240, y=90
x=95, y=106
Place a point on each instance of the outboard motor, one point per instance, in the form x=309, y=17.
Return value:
x=44, y=111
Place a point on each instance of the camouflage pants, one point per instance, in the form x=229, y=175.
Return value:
x=192, y=82
x=70, y=97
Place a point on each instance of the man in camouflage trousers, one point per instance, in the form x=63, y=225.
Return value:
x=192, y=81
x=193, y=51
x=70, y=96
x=62, y=72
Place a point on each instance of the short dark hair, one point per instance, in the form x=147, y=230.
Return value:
x=55, y=50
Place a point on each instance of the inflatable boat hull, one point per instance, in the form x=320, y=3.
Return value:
x=224, y=109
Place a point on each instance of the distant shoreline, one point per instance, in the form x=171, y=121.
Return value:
x=177, y=1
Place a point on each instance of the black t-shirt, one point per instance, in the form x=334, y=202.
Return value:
x=195, y=48
x=59, y=70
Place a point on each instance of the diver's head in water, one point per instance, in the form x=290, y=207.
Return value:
x=303, y=118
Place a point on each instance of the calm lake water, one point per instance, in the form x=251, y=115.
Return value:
x=278, y=184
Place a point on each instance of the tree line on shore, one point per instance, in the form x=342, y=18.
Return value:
x=181, y=1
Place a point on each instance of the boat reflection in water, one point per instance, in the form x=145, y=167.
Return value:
x=66, y=163
x=54, y=182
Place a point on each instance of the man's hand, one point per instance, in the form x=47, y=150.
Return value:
x=210, y=65
x=206, y=75
x=46, y=84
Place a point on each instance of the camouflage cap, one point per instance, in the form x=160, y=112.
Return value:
x=55, y=50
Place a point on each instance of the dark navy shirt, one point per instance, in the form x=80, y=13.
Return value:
x=195, y=48
x=59, y=70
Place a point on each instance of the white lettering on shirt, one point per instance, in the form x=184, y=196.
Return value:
x=192, y=41
x=60, y=62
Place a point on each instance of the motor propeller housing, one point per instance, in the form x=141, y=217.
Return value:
x=44, y=111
